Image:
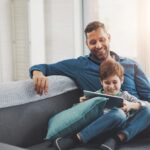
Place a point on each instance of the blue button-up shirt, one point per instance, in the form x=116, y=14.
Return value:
x=85, y=72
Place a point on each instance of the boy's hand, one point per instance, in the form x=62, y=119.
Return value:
x=127, y=106
x=83, y=98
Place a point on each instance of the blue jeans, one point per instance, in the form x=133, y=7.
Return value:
x=137, y=123
x=114, y=119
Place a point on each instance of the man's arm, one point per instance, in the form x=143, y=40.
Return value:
x=40, y=72
x=142, y=84
x=39, y=75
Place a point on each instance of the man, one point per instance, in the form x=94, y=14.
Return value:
x=85, y=69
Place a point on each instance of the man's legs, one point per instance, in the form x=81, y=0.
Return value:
x=136, y=124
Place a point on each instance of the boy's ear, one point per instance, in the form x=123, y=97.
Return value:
x=101, y=82
x=122, y=80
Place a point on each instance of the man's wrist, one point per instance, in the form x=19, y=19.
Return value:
x=36, y=72
x=142, y=104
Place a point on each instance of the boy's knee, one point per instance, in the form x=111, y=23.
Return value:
x=119, y=115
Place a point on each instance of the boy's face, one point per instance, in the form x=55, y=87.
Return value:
x=112, y=85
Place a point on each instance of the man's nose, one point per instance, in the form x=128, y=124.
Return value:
x=98, y=45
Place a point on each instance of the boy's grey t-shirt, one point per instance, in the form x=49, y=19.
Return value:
x=126, y=96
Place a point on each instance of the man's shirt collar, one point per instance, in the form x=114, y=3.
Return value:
x=112, y=54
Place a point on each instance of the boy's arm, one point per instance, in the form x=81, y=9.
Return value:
x=83, y=98
x=127, y=106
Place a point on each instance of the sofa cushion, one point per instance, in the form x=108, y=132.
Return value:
x=75, y=118
x=4, y=146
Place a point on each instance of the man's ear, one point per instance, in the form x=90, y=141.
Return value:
x=109, y=36
x=86, y=41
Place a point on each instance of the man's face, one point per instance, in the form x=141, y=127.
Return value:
x=112, y=85
x=98, y=43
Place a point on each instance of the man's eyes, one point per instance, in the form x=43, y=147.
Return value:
x=93, y=42
x=102, y=40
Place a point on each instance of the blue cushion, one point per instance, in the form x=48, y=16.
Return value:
x=74, y=119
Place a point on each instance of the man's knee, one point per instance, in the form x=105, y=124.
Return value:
x=146, y=109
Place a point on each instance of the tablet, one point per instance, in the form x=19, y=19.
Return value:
x=113, y=101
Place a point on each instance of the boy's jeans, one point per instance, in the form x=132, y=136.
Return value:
x=113, y=119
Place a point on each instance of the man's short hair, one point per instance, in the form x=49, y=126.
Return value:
x=110, y=68
x=94, y=26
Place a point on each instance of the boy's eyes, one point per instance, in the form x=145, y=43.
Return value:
x=114, y=82
x=107, y=82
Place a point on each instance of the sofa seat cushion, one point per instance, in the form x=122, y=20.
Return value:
x=9, y=147
x=46, y=145
x=136, y=144
x=49, y=146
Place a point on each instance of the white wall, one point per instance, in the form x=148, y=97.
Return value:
x=33, y=32
x=6, y=62
x=20, y=38
x=59, y=28
x=37, y=31
x=90, y=13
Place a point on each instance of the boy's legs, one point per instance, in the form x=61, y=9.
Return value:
x=114, y=119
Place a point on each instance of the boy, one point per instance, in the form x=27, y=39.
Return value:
x=128, y=123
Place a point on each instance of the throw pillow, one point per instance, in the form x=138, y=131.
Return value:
x=74, y=119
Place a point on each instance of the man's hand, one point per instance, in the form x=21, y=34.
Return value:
x=40, y=82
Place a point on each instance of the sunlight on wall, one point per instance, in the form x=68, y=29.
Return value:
x=147, y=53
x=128, y=23
x=120, y=18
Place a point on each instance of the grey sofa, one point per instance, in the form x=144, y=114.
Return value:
x=24, y=115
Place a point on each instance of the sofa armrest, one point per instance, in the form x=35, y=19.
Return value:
x=22, y=92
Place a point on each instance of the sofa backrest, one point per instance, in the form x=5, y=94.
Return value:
x=25, y=123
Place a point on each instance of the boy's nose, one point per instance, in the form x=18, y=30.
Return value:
x=111, y=86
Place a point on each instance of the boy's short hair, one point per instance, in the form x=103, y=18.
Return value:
x=109, y=68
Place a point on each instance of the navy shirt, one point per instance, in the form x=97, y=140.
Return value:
x=85, y=72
